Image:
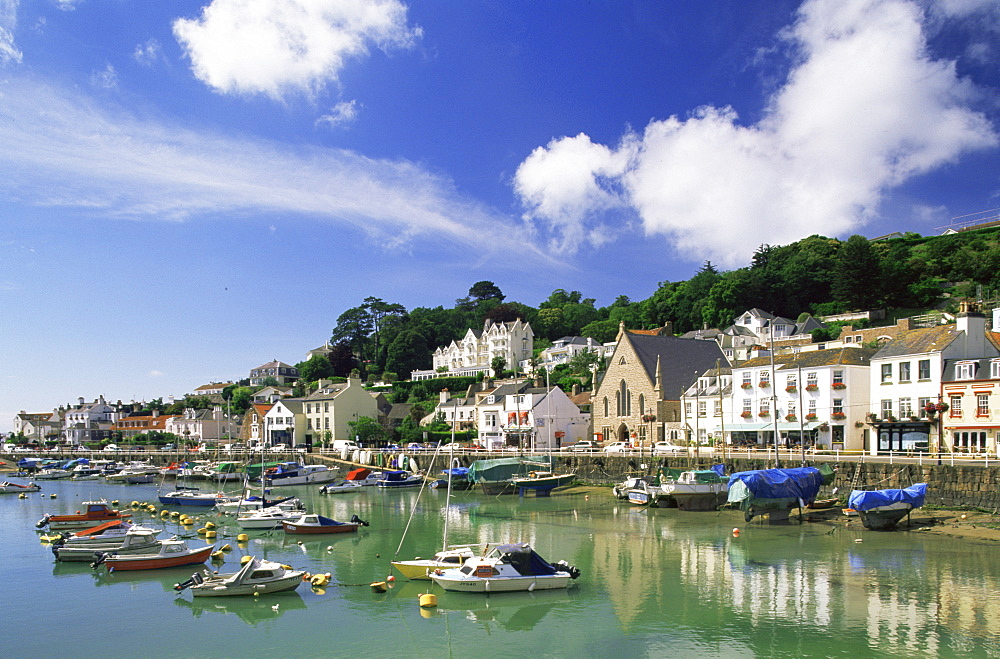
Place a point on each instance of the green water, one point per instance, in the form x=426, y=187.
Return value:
x=654, y=583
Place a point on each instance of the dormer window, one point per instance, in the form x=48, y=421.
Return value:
x=965, y=370
x=995, y=369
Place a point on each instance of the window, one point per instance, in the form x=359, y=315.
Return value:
x=605, y=405
x=765, y=407
x=956, y=406
x=746, y=380
x=747, y=406
x=886, y=373
x=886, y=408
x=308, y=408
x=838, y=406
x=765, y=378
x=791, y=380
x=965, y=371
x=904, y=371
x=982, y=404
x=326, y=423
x=922, y=404
x=838, y=377
x=791, y=408
x=924, y=369
x=702, y=408
x=326, y=407
x=716, y=408
x=995, y=369
x=812, y=379
x=905, y=408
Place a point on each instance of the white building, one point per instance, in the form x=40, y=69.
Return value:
x=284, y=422
x=820, y=396
x=86, y=422
x=562, y=351
x=529, y=417
x=475, y=352
x=906, y=375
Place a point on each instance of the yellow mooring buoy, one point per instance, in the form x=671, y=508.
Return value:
x=379, y=587
x=428, y=600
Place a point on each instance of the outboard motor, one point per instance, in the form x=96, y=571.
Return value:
x=195, y=580
x=357, y=520
x=563, y=566
x=99, y=558
x=43, y=521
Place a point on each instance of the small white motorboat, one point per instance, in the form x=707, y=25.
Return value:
x=255, y=577
x=506, y=568
x=267, y=518
x=137, y=540
x=420, y=568
x=9, y=487
x=340, y=486
x=52, y=474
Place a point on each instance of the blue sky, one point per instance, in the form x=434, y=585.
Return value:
x=191, y=189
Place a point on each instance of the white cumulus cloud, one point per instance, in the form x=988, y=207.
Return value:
x=294, y=46
x=863, y=110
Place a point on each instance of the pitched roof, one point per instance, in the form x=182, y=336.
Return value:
x=815, y=358
x=919, y=341
x=682, y=360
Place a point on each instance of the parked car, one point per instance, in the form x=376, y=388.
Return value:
x=582, y=445
x=667, y=448
x=278, y=448
x=617, y=447
x=111, y=448
x=168, y=447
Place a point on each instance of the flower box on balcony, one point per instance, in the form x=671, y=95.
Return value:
x=764, y=384
x=791, y=389
x=763, y=414
x=839, y=385
x=790, y=417
x=838, y=415
x=746, y=415
x=747, y=385
x=810, y=417
x=812, y=387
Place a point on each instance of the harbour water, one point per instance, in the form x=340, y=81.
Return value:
x=654, y=583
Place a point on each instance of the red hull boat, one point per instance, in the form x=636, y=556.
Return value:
x=314, y=524
x=173, y=553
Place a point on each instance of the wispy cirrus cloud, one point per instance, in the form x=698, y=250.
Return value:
x=295, y=46
x=59, y=148
x=863, y=109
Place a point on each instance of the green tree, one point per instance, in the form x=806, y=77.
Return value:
x=498, y=364
x=368, y=431
x=486, y=290
x=858, y=270
x=315, y=368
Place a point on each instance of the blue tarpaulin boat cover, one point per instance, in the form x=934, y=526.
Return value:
x=720, y=469
x=866, y=500
x=456, y=472
x=798, y=483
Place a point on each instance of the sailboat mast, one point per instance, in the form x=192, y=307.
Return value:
x=451, y=465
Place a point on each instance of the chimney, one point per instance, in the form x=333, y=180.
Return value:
x=443, y=397
x=668, y=328
x=973, y=325
x=905, y=324
x=575, y=390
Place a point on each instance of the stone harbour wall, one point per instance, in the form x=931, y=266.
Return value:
x=947, y=486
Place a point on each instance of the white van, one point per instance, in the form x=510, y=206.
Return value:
x=345, y=444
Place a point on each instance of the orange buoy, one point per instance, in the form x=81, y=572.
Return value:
x=736, y=533
x=390, y=578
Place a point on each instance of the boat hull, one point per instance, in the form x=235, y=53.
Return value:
x=15, y=487
x=311, y=529
x=158, y=562
x=883, y=519
x=214, y=588
x=502, y=584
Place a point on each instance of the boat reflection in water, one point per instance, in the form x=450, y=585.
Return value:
x=517, y=611
x=251, y=610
